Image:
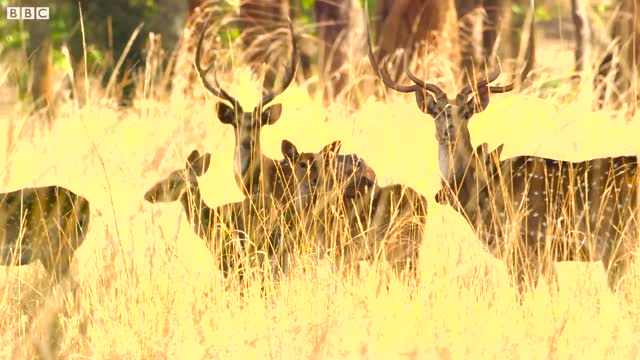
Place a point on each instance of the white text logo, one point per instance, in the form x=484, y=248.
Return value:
x=27, y=13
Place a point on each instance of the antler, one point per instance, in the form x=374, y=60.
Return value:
x=523, y=74
x=215, y=90
x=268, y=94
x=382, y=72
x=491, y=78
x=425, y=85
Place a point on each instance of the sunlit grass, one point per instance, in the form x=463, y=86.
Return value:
x=149, y=288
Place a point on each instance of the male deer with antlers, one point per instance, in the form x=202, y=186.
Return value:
x=552, y=210
x=254, y=171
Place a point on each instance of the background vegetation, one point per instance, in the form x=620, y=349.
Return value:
x=147, y=287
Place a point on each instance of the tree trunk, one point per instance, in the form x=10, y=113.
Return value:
x=39, y=52
x=258, y=20
x=420, y=27
x=583, y=36
x=481, y=23
x=616, y=80
x=338, y=31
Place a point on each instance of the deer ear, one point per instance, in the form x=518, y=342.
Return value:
x=226, y=114
x=198, y=164
x=499, y=150
x=482, y=149
x=195, y=154
x=206, y=161
x=289, y=151
x=425, y=103
x=271, y=114
x=441, y=197
x=332, y=149
x=480, y=102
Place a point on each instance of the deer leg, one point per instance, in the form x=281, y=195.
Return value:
x=551, y=274
x=615, y=263
x=523, y=273
x=57, y=267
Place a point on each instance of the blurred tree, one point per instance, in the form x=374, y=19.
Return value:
x=108, y=28
x=616, y=80
x=419, y=27
x=193, y=4
x=340, y=34
x=39, y=51
x=258, y=20
x=480, y=23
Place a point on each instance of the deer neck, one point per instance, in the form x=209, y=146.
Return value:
x=254, y=171
x=454, y=161
x=198, y=212
x=465, y=176
x=249, y=161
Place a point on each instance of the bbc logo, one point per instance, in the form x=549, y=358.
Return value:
x=27, y=13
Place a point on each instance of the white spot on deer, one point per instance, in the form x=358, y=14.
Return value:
x=535, y=214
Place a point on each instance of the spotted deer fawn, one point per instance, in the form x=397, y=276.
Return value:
x=43, y=223
x=528, y=210
x=352, y=214
x=254, y=172
x=232, y=231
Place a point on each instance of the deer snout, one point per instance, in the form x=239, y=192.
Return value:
x=448, y=133
x=150, y=197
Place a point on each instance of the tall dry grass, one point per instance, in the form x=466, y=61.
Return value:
x=145, y=286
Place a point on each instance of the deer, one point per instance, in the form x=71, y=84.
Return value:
x=232, y=231
x=254, y=171
x=43, y=223
x=382, y=222
x=529, y=211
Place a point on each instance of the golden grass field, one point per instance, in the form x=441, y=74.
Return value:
x=149, y=288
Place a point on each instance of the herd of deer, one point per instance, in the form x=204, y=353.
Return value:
x=529, y=211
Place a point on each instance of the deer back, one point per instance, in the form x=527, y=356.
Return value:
x=45, y=223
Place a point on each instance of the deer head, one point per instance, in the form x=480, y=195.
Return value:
x=455, y=151
x=246, y=125
x=310, y=169
x=173, y=186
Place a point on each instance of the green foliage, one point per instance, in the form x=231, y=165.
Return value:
x=542, y=14
x=14, y=38
x=60, y=61
x=372, y=6
x=602, y=9
x=307, y=4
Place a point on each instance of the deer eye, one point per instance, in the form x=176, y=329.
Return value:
x=304, y=165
